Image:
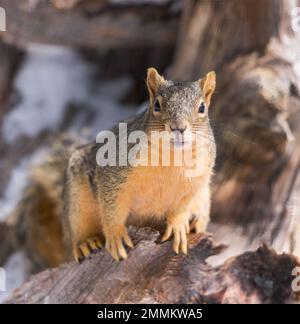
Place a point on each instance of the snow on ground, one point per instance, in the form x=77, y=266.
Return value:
x=49, y=78
x=49, y=81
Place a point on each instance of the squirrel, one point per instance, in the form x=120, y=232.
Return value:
x=100, y=201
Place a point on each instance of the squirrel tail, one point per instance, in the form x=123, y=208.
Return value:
x=39, y=214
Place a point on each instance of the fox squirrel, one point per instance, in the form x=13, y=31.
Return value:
x=101, y=200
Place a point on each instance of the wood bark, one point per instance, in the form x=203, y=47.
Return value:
x=153, y=274
x=94, y=24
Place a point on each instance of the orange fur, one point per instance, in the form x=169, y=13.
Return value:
x=85, y=212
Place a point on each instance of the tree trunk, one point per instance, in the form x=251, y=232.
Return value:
x=255, y=115
x=153, y=274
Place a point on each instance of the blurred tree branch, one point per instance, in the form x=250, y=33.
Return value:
x=96, y=24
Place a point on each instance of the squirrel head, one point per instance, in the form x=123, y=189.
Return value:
x=180, y=107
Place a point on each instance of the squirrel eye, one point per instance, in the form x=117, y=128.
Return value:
x=156, y=105
x=202, y=108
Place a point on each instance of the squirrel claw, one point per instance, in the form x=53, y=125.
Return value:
x=180, y=237
x=116, y=249
x=84, y=250
x=114, y=245
x=167, y=233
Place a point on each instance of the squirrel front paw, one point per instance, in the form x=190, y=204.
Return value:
x=179, y=227
x=114, y=242
x=85, y=249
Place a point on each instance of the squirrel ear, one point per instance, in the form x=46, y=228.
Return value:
x=154, y=80
x=208, y=85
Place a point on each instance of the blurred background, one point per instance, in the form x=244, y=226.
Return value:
x=70, y=68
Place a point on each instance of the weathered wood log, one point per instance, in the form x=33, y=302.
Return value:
x=153, y=274
x=93, y=24
x=255, y=114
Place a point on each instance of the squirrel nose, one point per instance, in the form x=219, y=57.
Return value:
x=178, y=129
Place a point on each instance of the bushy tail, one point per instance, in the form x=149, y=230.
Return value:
x=39, y=213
